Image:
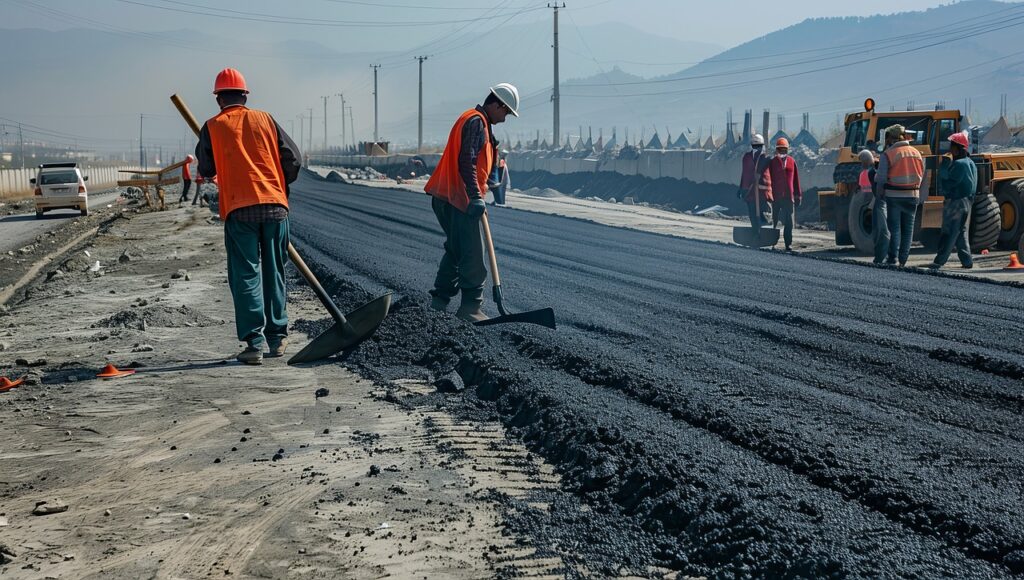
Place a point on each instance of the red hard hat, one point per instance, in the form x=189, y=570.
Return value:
x=782, y=142
x=960, y=139
x=189, y=158
x=229, y=79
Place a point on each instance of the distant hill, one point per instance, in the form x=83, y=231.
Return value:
x=824, y=66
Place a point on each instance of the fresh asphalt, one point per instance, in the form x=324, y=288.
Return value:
x=720, y=411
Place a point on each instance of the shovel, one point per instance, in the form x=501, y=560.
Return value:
x=347, y=331
x=543, y=317
x=748, y=236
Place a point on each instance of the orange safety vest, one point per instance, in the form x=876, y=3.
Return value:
x=906, y=169
x=248, y=160
x=446, y=182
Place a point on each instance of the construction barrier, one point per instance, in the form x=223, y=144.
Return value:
x=14, y=183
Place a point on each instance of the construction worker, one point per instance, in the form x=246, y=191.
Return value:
x=457, y=187
x=199, y=193
x=899, y=176
x=756, y=179
x=254, y=161
x=502, y=179
x=879, y=224
x=186, y=178
x=786, y=192
x=958, y=181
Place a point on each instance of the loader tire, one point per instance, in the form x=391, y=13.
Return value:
x=1010, y=197
x=860, y=226
x=983, y=233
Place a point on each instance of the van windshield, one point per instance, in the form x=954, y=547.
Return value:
x=52, y=178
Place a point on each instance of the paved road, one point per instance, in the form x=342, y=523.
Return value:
x=18, y=230
x=726, y=411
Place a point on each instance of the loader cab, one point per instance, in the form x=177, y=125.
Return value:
x=931, y=130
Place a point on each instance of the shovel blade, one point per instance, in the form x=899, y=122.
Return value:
x=543, y=317
x=745, y=236
x=362, y=323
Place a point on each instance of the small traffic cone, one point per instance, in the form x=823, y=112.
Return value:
x=7, y=384
x=984, y=252
x=1014, y=263
x=112, y=372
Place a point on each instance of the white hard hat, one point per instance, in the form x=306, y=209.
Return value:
x=508, y=95
x=757, y=139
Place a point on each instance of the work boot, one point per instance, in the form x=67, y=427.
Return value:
x=278, y=350
x=439, y=303
x=251, y=356
x=470, y=310
x=933, y=266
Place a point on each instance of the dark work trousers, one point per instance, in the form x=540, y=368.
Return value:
x=462, y=266
x=755, y=218
x=198, y=194
x=186, y=184
x=256, y=256
x=902, y=211
x=880, y=229
x=784, y=212
x=956, y=215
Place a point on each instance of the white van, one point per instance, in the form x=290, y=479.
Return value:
x=60, y=186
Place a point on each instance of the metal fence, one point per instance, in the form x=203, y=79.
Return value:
x=15, y=182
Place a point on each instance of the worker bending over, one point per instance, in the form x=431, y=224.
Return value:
x=254, y=161
x=958, y=182
x=879, y=223
x=457, y=187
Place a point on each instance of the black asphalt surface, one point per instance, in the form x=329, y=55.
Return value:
x=720, y=411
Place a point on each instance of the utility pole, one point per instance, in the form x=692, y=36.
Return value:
x=142, y=152
x=556, y=94
x=352, y=124
x=375, y=67
x=419, y=145
x=344, y=143
x=302, y=133
x=310, y=109
x=325, y=124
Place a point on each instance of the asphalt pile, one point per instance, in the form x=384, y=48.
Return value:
x=718, y=411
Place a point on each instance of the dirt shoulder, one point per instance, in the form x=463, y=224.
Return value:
x=199, y=466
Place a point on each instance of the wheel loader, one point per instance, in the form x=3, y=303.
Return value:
x=997, y=217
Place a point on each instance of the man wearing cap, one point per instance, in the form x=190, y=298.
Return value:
x=254, y=160
x=756, y=179
x=879, y=224
x=786, y=190
x=457, y=187
x=899, y=176
x=958, y=181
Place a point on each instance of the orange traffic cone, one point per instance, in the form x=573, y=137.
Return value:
x=7, y=384
x=112, y=372
x=1014, y=263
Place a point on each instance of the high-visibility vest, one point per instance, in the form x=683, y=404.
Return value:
x=245, y=151
x=446, y=182
x=865, y=180
x=906, y=169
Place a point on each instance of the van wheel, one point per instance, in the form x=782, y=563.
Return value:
x=1010, y=197
x=984, y=229
x=39, y=215
x=85, y=212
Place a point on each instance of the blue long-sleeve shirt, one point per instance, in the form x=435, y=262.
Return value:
x=958, y=179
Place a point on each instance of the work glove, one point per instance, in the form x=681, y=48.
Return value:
x=799, y=200
x=476, y=208
x=740, y=193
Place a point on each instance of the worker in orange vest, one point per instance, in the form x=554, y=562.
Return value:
x=899, y=177
x=186, y=178
x=786, y=192
x=457, y=187
x=254, y=160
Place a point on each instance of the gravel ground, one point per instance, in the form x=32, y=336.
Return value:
x=715, y=410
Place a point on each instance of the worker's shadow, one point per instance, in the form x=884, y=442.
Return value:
x=231, y=362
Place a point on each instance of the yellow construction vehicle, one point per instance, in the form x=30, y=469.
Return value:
x=997, y=218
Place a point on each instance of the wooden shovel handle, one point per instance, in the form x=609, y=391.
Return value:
x=489, y=244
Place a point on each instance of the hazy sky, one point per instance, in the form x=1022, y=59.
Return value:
x=723, y=22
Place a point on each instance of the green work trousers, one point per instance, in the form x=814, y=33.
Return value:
x=256, y=258
x=462, y=266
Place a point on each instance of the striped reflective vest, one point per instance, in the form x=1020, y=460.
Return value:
x=245, y=151
x=906, y=171
x=446, y=182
